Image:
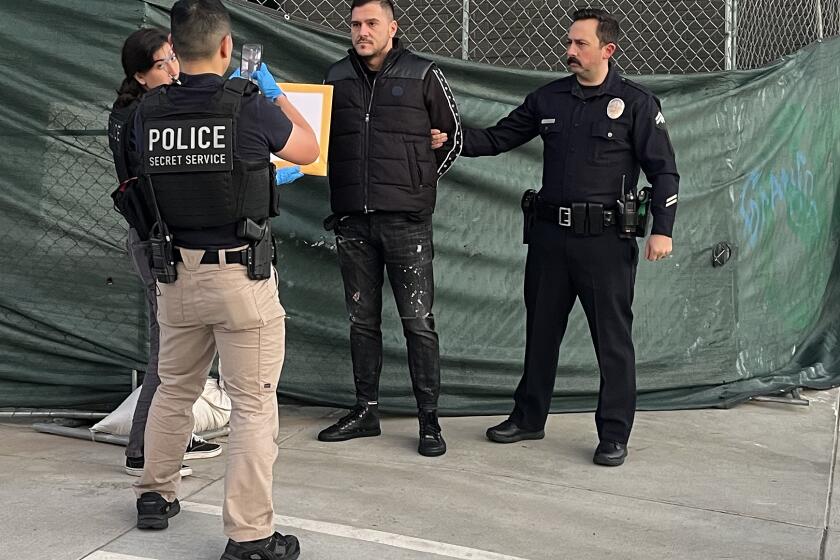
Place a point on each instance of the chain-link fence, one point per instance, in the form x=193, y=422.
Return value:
x=658, y=36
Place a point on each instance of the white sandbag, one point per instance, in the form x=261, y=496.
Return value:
x=212, y=409
x=118, y=422
x=211, y=412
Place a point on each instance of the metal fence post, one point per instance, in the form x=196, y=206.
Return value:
x=465, y=30
x=729, y=22
x=818, y=15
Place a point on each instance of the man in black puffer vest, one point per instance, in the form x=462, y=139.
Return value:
x=383, y=176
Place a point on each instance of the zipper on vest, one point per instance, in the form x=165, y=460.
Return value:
x=367, y=127
x=367, y=143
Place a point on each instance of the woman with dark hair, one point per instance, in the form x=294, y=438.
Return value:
x=148, y=62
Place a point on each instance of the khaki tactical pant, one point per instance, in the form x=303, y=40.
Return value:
x=217, y=307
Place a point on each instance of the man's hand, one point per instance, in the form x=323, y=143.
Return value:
x=268, y=85
x=658, y=247
x=438, y=138
x=286, y=175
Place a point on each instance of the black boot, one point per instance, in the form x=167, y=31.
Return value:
x=361, y=421
x=431, y=440
x=153, y=512
x=275, y=547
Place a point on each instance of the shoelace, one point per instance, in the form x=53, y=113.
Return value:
x=354, y=415
x=430, y=429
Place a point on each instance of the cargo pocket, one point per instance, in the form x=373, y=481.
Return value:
x=267, y=298
x=170, y=304
x=272, y=348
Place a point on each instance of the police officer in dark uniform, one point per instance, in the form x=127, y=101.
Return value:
x=598, y=129
x=205, y=148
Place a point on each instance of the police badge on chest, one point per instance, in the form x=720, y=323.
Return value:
x=188, y=146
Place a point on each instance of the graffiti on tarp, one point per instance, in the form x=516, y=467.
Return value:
x=787, y=193
x=782, y=215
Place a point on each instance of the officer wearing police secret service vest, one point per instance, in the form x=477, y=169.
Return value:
x=383, y=176
x=205, y=151
x=597, y=128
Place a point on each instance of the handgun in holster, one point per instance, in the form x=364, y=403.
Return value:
x=260, y=253
x=528, y=214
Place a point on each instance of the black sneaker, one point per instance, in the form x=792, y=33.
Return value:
x=153, y=512
x=361, y=421
x=610, y=454
x=275, y=547
x=134, y=467
x=431, y=440
x=199, y=448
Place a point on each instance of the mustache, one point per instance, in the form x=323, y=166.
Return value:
x=572, y=59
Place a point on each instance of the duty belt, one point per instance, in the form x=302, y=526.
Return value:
x=581, y=217
x=212, y=257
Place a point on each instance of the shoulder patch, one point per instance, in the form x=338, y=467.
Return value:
x=659, y=119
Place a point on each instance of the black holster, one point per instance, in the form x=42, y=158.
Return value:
x=528, y=214
x=260, y=253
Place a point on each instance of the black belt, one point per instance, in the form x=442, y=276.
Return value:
x=212, y=257
x=582, y=217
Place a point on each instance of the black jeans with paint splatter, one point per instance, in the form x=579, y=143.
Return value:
x=400, y=244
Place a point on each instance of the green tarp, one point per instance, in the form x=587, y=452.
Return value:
x=757, y=151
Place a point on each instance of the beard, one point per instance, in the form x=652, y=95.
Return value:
x=371, y=51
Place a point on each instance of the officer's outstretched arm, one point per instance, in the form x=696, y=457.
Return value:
x=302, y=146
x=520, y=126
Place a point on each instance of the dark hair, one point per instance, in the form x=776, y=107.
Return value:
x=387, y=5
x=608, y=30
x=138, y=55
x=198, y=26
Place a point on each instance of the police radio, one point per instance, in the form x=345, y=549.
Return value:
x=633, y=211
x=163, y=254
x=160, y=241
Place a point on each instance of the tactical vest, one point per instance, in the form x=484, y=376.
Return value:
x=119, y=131
x=380, y=155
x=189, y=159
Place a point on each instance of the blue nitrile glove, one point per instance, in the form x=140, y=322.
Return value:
x=268, y=85
x=286, y=175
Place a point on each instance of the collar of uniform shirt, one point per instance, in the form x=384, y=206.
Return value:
x=200, y=80
x=611, y=85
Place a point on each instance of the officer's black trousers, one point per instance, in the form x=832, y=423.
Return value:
x=601, y=271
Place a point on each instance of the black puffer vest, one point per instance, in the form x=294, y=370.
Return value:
x=380, y=156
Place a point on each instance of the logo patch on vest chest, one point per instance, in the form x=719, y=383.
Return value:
x=188, y=146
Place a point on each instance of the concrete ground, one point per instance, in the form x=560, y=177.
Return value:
x=754, y=482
